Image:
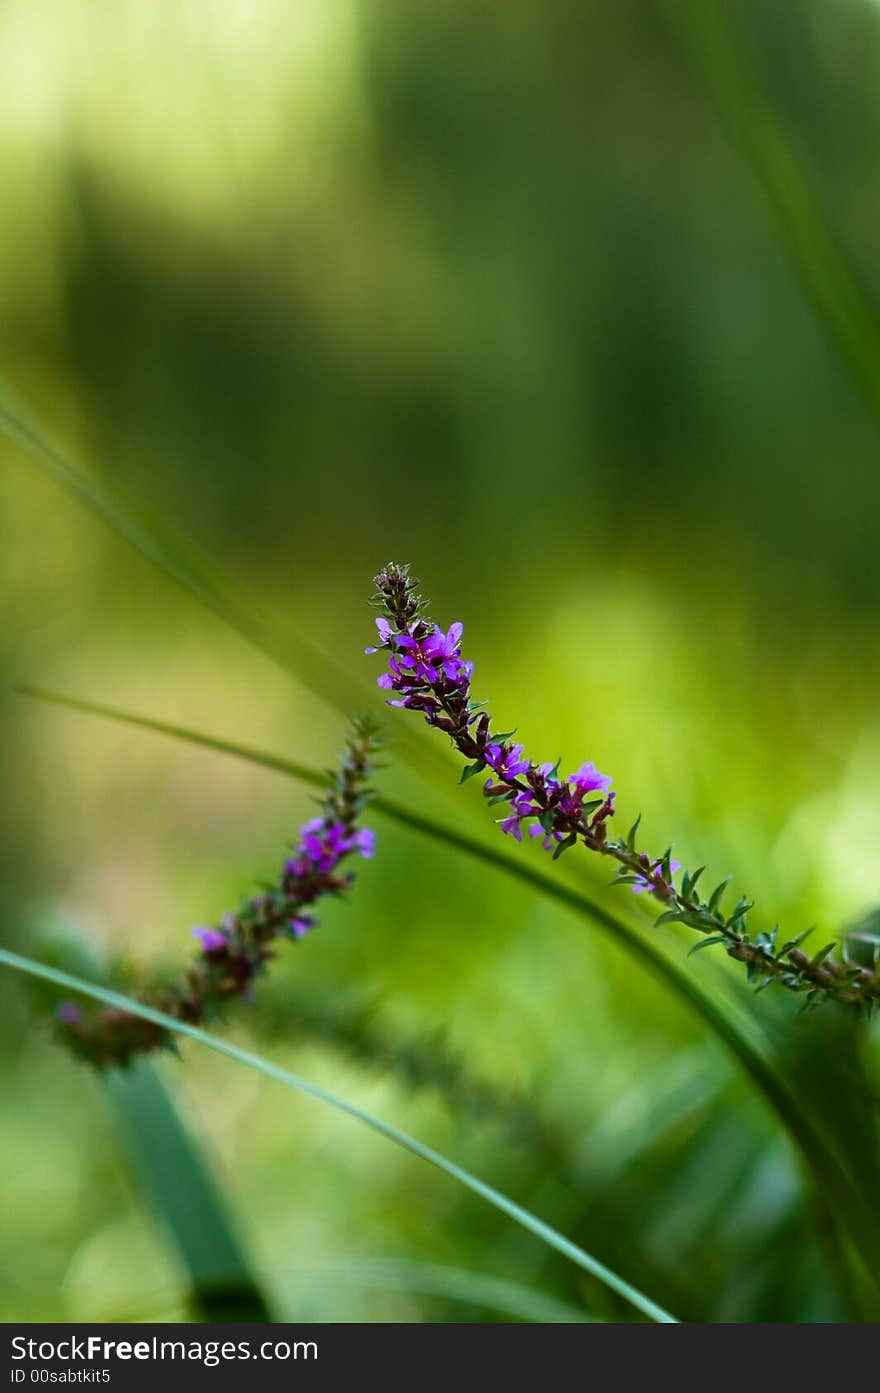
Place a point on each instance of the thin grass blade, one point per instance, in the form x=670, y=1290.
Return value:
x=720, y=54
x=494, y=1197
x=177, y=1178
x=317, y=671
x=185, y=1195
x=456, y=1284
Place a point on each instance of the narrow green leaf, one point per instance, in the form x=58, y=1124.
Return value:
x=453, y=1284
x=177, y=1178
x=796, y=942
x=470, y=770
x=667, y=917
x=319, y=672
x=819, y=958
x=184, y=1194
x=840, y=294
x=705, y=943
x=492, y=1196
x=715, y=897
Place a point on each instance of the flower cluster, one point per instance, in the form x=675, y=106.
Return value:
x=237, y=950
x=427, y=673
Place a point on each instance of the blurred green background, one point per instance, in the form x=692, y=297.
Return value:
x=484, y=288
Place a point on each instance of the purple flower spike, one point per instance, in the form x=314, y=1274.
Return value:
x=212, y=940
x=427, y=673
x=235, y=952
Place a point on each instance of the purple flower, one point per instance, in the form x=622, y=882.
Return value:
x=522, y=807
x=417, y=657
x=506, y=761
x=392, y=679
x=385, y=632
x=647, y=881
x=364, y=841
x=442, y=650
x=300, y=924
x=212, y=940
x=323, y=845
x=551, y=839
x=587, y=779
x=67, y=1013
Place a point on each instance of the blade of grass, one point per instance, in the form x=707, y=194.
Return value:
x=507, y=1297
x=179, y=559
x=494, y=1197
x=452, y=1284
x=721, y=55
x=829, y=1178
x=177, y=1178
x=185, y=1195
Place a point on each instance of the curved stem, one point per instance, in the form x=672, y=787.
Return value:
x=492, y=1196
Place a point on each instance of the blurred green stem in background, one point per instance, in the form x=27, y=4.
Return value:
x=178, y=1179
x=316, y=671
x=721, y=55
x=184, y=1193
x=272, y=1071
x=833, y=1182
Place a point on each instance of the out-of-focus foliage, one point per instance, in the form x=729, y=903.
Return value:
x=482, y=287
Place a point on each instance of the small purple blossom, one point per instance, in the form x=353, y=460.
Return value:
x=384, y=629
x=442, y=649
x=67, y=1013
x=321, y=844
x=364, y=841
x=587, y=779
x=521, y=807
x=395, y=676
x=212, y=940
x=300, y=925
x=324, y=844
x=417, y=657
x=506, y=760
